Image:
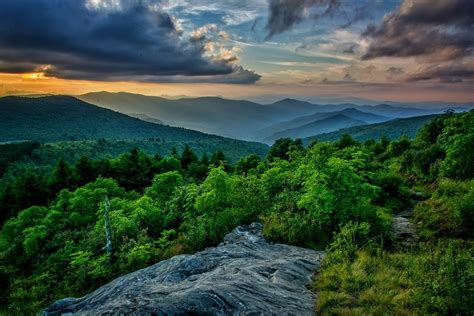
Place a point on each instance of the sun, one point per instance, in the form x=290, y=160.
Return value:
x=39, y=74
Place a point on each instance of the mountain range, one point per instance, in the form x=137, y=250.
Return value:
x=124, y=116
x=246, y=120
x=318, y=123
x=392, y=129
x=66, y=118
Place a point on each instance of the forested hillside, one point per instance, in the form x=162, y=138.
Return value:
x=338, y=196
x=331, y=123
x=47, y=154
x=318, y=123
x=392, y=129
x=64, y=118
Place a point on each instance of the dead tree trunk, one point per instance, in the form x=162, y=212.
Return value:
x=108, y=233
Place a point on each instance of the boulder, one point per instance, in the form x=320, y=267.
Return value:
x=244, y=275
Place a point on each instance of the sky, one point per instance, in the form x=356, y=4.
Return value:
x=398, y=50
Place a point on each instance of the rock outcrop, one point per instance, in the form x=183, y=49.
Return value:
x=244, y=275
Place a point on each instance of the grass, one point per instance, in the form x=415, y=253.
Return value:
x=436, y=278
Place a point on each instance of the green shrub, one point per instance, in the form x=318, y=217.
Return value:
x=360, y=279
x=449, y=212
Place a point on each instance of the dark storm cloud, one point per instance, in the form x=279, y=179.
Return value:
x=239, y=75
x=286, y=13
x=133, y=41
x=443, y=28
x=449, y=72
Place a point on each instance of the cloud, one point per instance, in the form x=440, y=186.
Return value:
x=107, y=40
x=200, y=34
x=394, y=71
x=239, y=75
x=286, y=13
x=349, y=49
x=448, y=72
x=440, y=30
x=438, y=33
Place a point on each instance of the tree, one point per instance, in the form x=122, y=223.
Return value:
x=245, y=164
x=27, y=190
x=282, y=147
x=133, y=171
x=85, y=171
x=187, y=157
x=174, y=153
x=384, y=142
x=169, y=164
x=205, y=160
x=430, y=132
x=218, y=159
x=398, y=147
x=346, y=141
x=104, y=168
x=108, y=233
x=163, y=186
x=198, y=171
x=62, y=177
x=459, y=161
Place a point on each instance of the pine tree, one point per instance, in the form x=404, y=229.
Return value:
x=205, y=160
x=217, y=158
x=187, y=157
x=174, y=152
x=62, y=177
x=85, y=171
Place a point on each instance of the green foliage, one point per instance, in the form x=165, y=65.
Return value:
x=359, y=278
x=62, y=177
x=459, y=161
x=163, y=186
x=246, y=164
x=392, y=129
x=11, y=152
x=449, y=212
x=346, y=141
x=352, y=237
x=52, y=243
x=282, y=147
x=133, y=171
x=398, y=147
x=443, y=147
x=219, y=159
x=319, y=195
x=394, y=193
x=188, y=157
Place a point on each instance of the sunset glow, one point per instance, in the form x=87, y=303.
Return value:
x=240, y=50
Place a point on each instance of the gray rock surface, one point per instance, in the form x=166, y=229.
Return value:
x=403, y=231
x=244, y=275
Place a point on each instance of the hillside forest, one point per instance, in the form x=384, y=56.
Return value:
x=336, y=195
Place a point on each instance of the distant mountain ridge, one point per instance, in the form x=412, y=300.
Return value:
x=308, y=125
x=56, y=118
x=229, y=118
x=392, y=129
x=239, y=119
x=65, y=118
x=331, y=123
